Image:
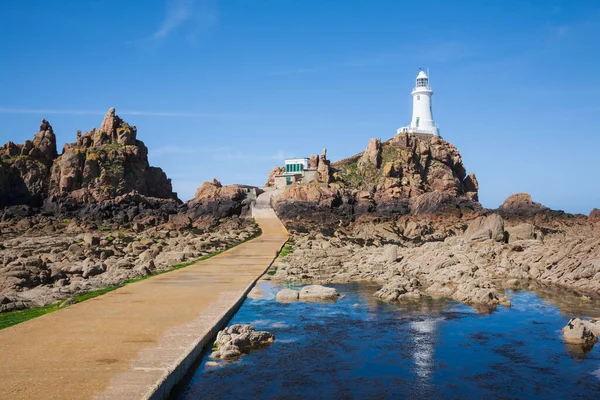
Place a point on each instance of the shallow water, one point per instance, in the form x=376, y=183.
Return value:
x=360, y=347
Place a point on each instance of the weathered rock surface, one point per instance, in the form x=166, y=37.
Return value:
x=99, y=214
x=521, y=205
x=54, y=260
x=25, y=168
x=232, y=342
x=584, y=333
x=318, y=293
x=218, y=201
x=409, y=174
x=105, y=163
x=287, y=296
x=464, y=258
x=271, y=177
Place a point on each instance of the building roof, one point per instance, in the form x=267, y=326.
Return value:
x=421, y=75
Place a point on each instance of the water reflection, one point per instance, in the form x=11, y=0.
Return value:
x=361, y=347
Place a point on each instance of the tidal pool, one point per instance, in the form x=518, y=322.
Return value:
x=360, y=347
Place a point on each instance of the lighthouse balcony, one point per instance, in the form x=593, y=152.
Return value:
x=435, y=130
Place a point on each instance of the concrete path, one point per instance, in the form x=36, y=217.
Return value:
x=138, y=341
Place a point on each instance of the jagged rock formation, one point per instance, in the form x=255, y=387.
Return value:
x=105, y=163
x=271, y=177
x=409, y=174
x=25, y=168
x=101, y=165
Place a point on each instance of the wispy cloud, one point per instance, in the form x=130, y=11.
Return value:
x=43, y=111
x=178, y=11
x=435, y=52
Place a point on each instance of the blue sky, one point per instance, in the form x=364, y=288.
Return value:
x=227, y=89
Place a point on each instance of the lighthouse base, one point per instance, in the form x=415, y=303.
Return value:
x=428, y=131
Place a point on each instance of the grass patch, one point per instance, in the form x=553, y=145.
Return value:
x=105, y=228
x=16, y=317
x=287, y=248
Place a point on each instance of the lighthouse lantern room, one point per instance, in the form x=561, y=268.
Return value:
x=422, y=116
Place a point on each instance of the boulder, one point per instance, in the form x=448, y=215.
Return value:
x=594, y=215
x=317, y=293
x=577, y=332
x=91, y=239
x=479, y=227
x=520, y=205
x=287, y=295
x=238, y=338
x=390, y=253
x=520, y=232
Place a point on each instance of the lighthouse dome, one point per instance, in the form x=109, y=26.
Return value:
x=422, y=75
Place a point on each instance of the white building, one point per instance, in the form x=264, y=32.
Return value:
x=422, y=116
x=296, y=170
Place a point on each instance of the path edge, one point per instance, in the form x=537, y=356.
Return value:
x=162, y=389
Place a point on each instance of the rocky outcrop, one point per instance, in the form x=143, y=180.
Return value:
x=215, y=200
x=25, y=168
x=594, y=215
x=101, y=165
x=409, y=174
x=271, y=178
x=520, y=205
x=232, y=342
x=371, y=158
x=105, y=163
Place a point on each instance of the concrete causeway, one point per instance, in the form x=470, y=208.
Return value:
x=138, y=341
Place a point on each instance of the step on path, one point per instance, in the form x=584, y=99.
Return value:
x=138, y=341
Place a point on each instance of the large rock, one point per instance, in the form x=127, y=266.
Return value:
x=25, y=168
x=218, y=201
x=271, y=177
x=318, y=293
x=486, y=227
x=233, y=341
x=523, y=231
x=520, y=205
x=372, y=155
x=287, y=296
x=594, y=215
x=577, y=332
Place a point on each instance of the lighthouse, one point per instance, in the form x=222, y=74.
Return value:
x=422, y=116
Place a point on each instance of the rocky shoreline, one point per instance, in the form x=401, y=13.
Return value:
x=425, y=258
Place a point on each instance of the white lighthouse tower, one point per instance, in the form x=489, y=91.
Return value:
x=422, y=116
